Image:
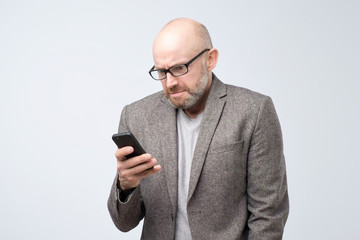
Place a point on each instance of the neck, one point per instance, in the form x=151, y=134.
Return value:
x=192, y=115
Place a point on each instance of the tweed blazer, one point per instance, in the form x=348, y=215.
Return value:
x=237, y=188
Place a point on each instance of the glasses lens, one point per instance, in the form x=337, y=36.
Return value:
x=178, y=70
x=158, y=74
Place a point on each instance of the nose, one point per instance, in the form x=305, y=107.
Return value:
x=171, y=81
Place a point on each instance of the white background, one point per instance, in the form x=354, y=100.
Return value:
x=67, y=68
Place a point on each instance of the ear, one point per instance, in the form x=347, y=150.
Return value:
x=212, y=59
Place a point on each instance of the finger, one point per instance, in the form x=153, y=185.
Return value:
x=128, y=180
x=141, y=167
x=149, y=171
x=121, y=153
x=135, y=161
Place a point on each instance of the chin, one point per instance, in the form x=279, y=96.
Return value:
x=177, y=104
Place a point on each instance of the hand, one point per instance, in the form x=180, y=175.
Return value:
x=132, y=170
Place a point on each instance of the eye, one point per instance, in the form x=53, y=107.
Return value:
x=178, y=69
x=161, y=72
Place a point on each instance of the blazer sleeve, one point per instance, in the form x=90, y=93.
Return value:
x=125, y=215
x=268, y=202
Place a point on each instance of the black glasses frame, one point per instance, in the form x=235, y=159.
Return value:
x=165, y=71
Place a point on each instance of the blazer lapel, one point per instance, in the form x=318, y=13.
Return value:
x=166, y=132
x=165, y=128
x=212, y=114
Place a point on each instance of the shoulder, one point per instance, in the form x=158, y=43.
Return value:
x=238, y=95
x=246, y=99
x=239, y=100
x=136, y=114
x=251, y=106
x=145, y=104
x=244, y=94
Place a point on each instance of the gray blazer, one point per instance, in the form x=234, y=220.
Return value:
x=237, y=186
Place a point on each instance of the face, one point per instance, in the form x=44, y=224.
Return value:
x=177, y=43
x=186, y=91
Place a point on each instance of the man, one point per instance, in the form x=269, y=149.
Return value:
x=216, y=169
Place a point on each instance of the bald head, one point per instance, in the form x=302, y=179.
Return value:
x=180, y=43
x=181, y=35
x=190, y=27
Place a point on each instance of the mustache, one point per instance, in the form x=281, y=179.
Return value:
x=175, y=89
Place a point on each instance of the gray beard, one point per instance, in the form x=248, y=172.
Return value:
x=198, y=92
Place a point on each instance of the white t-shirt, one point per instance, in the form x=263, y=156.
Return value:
x=188, y=130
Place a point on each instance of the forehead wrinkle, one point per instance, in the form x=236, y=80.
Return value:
x=170, y=63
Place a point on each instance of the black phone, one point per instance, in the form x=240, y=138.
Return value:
x=127, y=139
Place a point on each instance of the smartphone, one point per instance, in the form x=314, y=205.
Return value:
x=127, y=139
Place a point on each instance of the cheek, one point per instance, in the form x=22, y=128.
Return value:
x=191, y=81
x=163, y=84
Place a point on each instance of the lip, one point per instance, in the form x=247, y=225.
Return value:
x=176, y=94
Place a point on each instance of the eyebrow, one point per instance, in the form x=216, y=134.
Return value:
x=180, y=63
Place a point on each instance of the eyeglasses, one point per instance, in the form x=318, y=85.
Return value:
x=175, y=71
